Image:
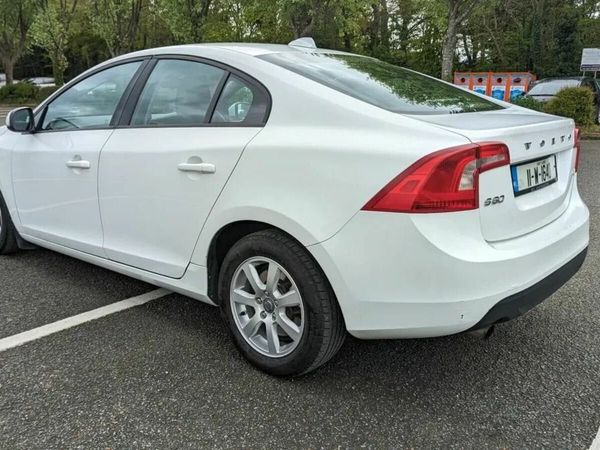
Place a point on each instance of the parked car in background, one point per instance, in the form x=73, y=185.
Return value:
x=544, y=90
x=42, y=81
x=307, y=192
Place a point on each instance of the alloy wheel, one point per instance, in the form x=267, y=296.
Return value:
x=267, y=307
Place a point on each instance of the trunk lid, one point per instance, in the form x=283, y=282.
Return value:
x=529, y=136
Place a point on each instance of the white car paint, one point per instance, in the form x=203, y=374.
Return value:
x=515, y=128
x=321, y=156
x=446, y=276
x=177, y=203
x=56, y=203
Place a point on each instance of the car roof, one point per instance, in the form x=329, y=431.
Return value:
x=249, y=49
x=544, y=80
x=256, y=49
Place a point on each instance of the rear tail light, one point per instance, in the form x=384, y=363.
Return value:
x=443, y=181
x=577, y=148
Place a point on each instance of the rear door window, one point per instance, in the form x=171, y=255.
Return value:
x=177, y=93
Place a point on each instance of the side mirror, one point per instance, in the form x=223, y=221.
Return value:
x=20, y=120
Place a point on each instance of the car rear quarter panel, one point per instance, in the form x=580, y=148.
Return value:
x=319, y=159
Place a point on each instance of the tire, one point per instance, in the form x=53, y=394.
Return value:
x=301, y=332
x=8, y=233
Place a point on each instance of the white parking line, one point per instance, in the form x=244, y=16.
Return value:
x=596, y=443
x=70, y=322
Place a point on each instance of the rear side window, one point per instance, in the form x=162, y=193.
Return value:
x=381, y=84
x=178, y=92
x=240, y=102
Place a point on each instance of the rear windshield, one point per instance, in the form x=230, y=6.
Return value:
x=551, y=87
x=381, y=84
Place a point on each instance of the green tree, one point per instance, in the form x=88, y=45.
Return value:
x=432, y=36
x=406, y=19
x=337, y=24
x=51, y=31
x=15, y=19
x=542, y=36
x=117, y=22
x=185, y=19
x=417, y=34
x=458, y=12
x=379, y=29
x=303, y=15
x=153, y=31
x=246, y=20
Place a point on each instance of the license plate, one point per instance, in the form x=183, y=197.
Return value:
x=534, y=175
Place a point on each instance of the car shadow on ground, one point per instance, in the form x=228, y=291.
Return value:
x=534, y=383
x=500, y=386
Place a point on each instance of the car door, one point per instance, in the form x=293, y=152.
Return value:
x=55, y=169
x=163, y=169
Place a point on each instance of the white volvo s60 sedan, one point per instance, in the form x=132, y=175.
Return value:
x=306, y=192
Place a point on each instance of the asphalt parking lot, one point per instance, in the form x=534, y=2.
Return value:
x=166, y=375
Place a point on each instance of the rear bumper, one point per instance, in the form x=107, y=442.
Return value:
x=426, y=275
x=518, y=304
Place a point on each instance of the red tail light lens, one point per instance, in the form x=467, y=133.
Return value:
x=577, y=148
x=445, y=181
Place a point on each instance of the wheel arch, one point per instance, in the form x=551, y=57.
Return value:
x=220, y=244
x=226, y=237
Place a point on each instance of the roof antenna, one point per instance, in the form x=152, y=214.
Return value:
x=305, y=42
